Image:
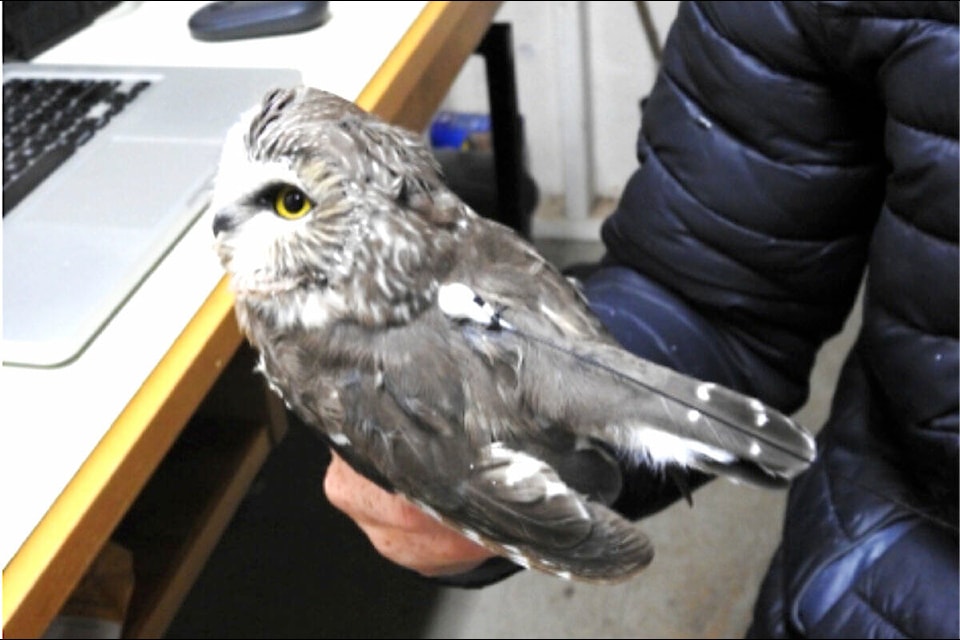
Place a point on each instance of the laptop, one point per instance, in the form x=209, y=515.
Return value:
x=79, y=242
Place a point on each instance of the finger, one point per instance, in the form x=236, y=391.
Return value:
x=440, y=551
x=361, y=499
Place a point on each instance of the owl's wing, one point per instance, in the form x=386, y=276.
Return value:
x=649, y=413
x=443, y=433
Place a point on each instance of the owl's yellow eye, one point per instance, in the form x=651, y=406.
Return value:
x=291, y=203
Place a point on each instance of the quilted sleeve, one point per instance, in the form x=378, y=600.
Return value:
x=751, y=210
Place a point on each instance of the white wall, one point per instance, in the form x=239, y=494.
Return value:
x=582, y=68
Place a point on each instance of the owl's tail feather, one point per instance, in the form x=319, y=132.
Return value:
x=663, y=417
x=615, y=551
x=518, y=506
x=713, y=429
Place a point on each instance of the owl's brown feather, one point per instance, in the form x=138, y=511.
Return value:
x=510, y=416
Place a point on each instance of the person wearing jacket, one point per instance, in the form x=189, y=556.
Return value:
x=792, y=153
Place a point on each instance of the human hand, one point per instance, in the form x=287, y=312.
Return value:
x=398, y=530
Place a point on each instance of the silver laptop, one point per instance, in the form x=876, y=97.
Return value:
x=79, y=243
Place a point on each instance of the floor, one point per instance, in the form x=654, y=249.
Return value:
x=290, y=566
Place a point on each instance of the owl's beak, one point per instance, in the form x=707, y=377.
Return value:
x=223, y=221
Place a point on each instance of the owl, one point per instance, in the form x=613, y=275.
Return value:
x=445, y=359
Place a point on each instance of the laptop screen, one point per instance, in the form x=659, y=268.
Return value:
x=30, y=28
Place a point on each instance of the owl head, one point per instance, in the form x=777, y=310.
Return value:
x=316, y=198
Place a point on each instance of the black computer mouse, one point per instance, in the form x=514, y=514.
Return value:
x=219, y=21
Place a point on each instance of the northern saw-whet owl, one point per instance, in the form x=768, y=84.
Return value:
x=441, y=356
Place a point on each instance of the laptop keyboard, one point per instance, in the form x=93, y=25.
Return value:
x=46, y=120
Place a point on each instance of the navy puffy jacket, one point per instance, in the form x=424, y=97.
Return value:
x=787, y=150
